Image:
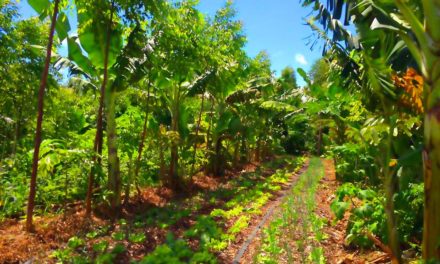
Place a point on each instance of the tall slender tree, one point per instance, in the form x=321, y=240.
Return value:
x=38, y=130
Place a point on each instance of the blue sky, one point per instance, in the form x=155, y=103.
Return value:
x=276, y=26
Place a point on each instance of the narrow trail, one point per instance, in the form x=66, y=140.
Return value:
x=269, y=241
x=267, y=216
x=299, y=228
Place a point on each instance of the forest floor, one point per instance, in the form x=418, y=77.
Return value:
x=226, y=210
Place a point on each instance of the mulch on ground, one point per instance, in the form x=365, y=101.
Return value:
x=335, y=250
x=52, y=232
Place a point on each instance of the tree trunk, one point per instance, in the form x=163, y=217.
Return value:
x=97, y=145
x=208, y=141
x=174, y=159
x=162, y=171
x=258, y=149
x=143, y=137
x=43, y=83
x=389, y=186
x=236, y=154
x=197, y=134
x=244, y=149
x=319, y=145
x=114, y=177
x=129, y=181
x=173, y=177
x=427, y=54
x=431, y=163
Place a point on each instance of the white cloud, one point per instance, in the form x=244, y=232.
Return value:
x=301, y=59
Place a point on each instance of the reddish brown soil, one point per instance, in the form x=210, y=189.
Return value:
x=52, y=232
x=334, y=249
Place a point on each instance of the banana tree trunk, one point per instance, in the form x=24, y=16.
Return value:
x=389, y=185
x=97, y=145
x=173, y=177
x=43, y=83
x=431, y=163
x=431, y=157
x=197, y=134
x=427, y=54
x=114, y=177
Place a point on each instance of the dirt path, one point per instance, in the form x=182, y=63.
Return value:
x=247, y=239
x=301, y=229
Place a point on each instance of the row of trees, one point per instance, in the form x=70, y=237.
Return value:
x=393, y=63
x=168, y=91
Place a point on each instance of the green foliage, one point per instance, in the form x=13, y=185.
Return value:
x=137, y=238
x=177, y=251
x=367, y=213
x=75, y=242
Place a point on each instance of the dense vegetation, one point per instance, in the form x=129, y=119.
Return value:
x=149, y=94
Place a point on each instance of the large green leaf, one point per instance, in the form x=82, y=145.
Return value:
x=92, y=30
x=223, y=122
x=76, y=55
x=339, y=208
x=62, y=26
x=183, y=121
x=39, y=5
x=304, y=75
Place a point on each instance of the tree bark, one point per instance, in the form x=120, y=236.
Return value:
x=97, y=145
x=43, y=84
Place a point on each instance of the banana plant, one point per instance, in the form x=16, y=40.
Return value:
x=101, y=40
x=179, y=45
x=100, y=35
x=415, y=23
x=426, y=52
